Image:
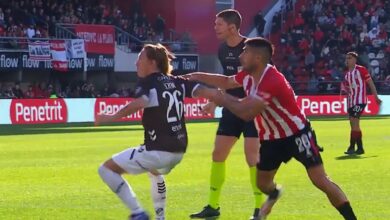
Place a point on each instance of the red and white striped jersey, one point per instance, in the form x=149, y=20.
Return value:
x=282, y=117
x=355, y=85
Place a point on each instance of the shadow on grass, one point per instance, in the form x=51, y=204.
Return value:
x=62, y=129
x=354, y=157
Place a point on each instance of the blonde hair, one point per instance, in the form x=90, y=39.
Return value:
x=161, y=55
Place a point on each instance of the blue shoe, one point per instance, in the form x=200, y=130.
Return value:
x=139, y=216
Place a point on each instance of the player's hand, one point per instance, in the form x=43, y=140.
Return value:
x=208, y=109
x=190, y=76
x=216, y=96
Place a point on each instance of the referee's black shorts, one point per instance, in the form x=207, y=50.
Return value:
x=231, y=125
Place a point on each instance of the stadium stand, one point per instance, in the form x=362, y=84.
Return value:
x=38, y=19
x=313, y=39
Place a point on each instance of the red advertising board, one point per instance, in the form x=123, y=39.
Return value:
x=112, y=105
x=192, y=108
x=332, y=105
x=38, y=111
x=99, y=39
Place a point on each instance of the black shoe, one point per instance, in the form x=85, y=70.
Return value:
x=207, y=212
x=359, y=151
x=255, y=214
x=350, y=151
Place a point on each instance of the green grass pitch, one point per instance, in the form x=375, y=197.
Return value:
x=50, y=172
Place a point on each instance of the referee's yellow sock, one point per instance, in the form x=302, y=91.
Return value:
x=217, y=178
x=256, y=191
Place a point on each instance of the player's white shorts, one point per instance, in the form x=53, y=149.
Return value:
x=138, y=160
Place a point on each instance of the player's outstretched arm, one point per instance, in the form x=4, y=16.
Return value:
x=246, y=108
x=373, y=90
x=213, y=79
x=129, y=109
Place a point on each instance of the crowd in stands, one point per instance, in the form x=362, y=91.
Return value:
x=311, y=41
x=38, y=19
x=15, y=21
x=312, y=48
x=57, y=90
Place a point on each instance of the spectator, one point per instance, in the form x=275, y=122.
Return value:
x=309, y=60
x=373, y=34
x=313, y=84
x=2, y=21
x=106, y=91
x=30, y=93
x=299, y=22
x=1, y=92
x=374, y=20
x=259, y=22
x=318, y=34
x=136, y=6
x=9, y=94
x=317, y=7
x=357, y=21
x=364, y=34
x=30, y=32
x=17, y=91
x=160, y=27
x=276, y=22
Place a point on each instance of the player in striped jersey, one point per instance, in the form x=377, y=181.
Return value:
x=284, y=130
x=354, y=85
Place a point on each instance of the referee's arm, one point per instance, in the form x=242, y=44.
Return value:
x=213, y=79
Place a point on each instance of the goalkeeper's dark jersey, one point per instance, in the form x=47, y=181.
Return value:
x=163, y=118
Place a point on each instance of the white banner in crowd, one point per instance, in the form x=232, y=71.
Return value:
x=76, y=48
x=49, y=111
x=39, y=50
x=58, y=55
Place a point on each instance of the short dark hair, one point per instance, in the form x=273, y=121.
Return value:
x=161, y=55
x=353, y=53
x=231, y=16
x=261, y=43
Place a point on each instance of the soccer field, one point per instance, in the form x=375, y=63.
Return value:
x=50, y=172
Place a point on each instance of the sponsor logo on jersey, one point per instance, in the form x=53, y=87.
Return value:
x=152, y=135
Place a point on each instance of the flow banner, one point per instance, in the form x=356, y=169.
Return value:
x=100, y=62
x=185, y=63
x=14, y=61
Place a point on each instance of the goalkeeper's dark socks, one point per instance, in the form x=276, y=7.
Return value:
x=346, y=211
